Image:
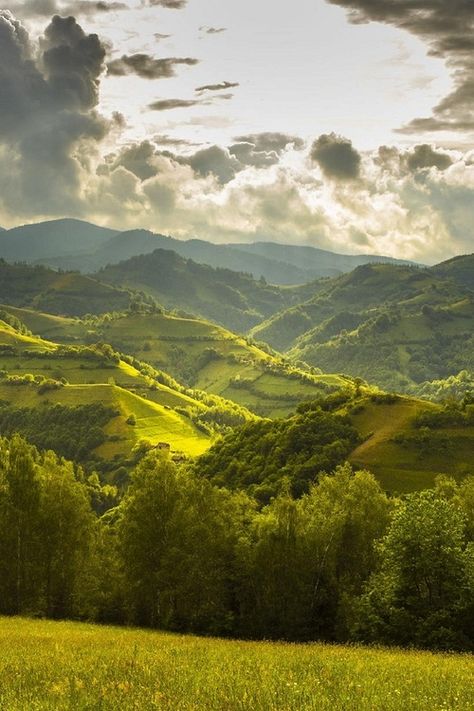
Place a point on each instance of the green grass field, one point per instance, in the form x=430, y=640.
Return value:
x=51, y=665
x=402, y=469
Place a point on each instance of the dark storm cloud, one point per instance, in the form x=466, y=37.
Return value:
x=138, y=159
x=336, y=157
x=169, y=104
x=424, y=156
x=147, y=67
x=218, y=87
x=48, y=109
x=271, y=141
x=448, y=27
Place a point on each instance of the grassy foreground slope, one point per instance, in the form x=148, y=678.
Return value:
x=51, y=665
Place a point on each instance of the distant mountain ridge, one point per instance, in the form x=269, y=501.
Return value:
x=52, y=239
x=79, y=245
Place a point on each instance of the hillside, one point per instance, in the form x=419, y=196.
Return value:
x=405, y=442
x=58, y=293
x=35, y=373
x=410, y=348
x=52, y=239
x=313, y=262
x=408, y=442
x=416, y=323
x=460, y=270
x=232, y=299
x=197, y=353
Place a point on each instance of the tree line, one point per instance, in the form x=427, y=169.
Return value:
x=344, y=562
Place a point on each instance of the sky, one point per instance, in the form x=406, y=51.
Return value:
x=343, y=124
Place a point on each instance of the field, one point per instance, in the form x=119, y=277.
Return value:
x=51, y=665
x=401, y=468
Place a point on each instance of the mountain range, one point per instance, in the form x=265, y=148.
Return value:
x=78, y=245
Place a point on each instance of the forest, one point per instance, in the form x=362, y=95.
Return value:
x=342, y=562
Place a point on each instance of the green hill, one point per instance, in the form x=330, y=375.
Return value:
x=396, y=350
x=394, y=326
x=74, y=244
x=232, y=299
x=405, y=442
x=35, y=373
x=460, y=270
x=197, y=353
x=67, y=293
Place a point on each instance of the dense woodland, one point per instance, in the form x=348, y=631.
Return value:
x=342, y=562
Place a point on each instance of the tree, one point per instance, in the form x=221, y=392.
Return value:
x=19, y=518
x=419, y=594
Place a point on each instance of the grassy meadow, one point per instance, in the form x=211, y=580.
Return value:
x=63, y=665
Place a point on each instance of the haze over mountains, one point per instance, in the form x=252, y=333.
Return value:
x=78, y=245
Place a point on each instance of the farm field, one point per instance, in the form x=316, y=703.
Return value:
x=64, y=665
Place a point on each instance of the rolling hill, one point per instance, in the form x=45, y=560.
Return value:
x=232, y=299
x=405, y=442
x=67, y=293
x=394, y=326
x=36, y=373
x=197, y=353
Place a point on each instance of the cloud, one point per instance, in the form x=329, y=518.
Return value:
x=448, y=28
x=271, y=141
x=212, y=30
x=336, y=157
x=215, y=161
x=217, y=87
x=169, y=4
x=165, y=140
x=159, y=36
x=48, y=111
x=147, y=67
x=424, y=156
x=246, y=154
x=169, y=104
x=47, y=8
